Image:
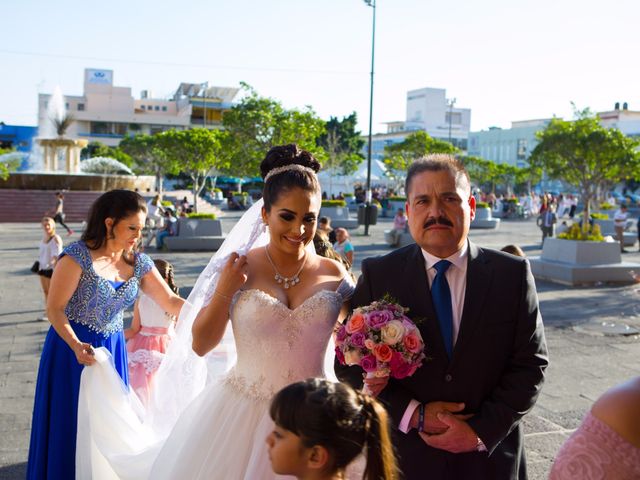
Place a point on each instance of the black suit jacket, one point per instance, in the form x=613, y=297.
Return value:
x=498, y=362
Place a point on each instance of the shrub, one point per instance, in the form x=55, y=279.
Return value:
x=606, y=206
x=334, y=203
x=240, y=194
x=217, y=189
x=398, y=199
x=166, y=203
x=515, y=201
x=482, y=205
x=203, y=216
x=596, y=216
x=347, y=195
x=575, y=233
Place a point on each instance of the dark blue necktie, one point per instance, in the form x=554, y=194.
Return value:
x=441, y=296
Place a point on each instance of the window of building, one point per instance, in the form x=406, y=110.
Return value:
x=142, y=107
x=164, y=109
x=522, y=149
x=81, y=107
x=455, y=118
x=155, y=130
x=157, y=108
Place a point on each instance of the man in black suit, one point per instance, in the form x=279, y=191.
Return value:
x=483, y=334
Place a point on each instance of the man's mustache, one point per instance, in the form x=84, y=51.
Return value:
x=439, y=220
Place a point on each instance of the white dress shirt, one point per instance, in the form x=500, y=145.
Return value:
x=456, y=276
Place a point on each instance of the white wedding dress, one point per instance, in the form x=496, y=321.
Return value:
x=208, y=418
x=222, y=434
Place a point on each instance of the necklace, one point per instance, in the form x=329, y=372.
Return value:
x=288, y=281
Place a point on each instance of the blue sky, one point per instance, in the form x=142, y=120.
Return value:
x=506, y=60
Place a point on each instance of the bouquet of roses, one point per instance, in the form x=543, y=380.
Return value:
x=382, y=340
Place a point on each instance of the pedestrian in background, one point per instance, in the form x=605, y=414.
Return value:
x=49, y=249
x=58, y=213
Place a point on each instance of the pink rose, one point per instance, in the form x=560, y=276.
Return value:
x=399, y=367
x=355, y=323
x=357, y=339
x=412, y=343
x=369, y=363
x=379, y=319
x=340, y=356
x=383, y=352
x=369, y=344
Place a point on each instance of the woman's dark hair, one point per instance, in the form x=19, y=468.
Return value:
x=281, y=156
x=116, y=204
x=166, y=272
x=336, y=417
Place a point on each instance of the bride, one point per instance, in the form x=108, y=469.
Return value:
x=282, y=300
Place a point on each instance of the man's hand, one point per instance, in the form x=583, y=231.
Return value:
x=431, y=410
x=459, y=437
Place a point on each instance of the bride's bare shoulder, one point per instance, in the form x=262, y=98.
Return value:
x=331, y=267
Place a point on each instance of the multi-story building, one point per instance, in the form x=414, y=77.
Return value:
x=625, y=120
x=428, y=110
x=107, y=113
x=514, y=145
x=17, y=137
x=511, y=145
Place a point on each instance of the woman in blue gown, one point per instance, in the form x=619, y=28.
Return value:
x=94, y=281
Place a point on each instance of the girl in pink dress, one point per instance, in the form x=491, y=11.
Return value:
x=149, y=336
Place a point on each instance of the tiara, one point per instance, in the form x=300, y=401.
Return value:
x=286, y=168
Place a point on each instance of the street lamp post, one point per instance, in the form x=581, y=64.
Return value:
x=368, y=197
x=452, y=102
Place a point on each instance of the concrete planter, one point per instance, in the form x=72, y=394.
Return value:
x=484, y=219
x=202, y=234
x=340, y=217
x=573, y=262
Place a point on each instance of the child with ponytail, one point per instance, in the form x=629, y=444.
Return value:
x=321, y=427
x=149, y=336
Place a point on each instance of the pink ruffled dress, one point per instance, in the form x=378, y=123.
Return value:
x=147, y=348
x=596, y=452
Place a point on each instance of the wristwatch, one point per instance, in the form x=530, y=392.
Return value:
x=480, y=445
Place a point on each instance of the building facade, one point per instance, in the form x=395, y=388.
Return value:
x=17, y=137
x=512, y=146
x=427, y=110
x=107, y=113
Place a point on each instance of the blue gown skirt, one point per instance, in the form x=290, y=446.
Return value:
x=52, y=451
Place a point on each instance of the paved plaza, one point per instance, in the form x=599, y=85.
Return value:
x=584, y=361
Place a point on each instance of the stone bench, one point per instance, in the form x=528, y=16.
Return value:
x=340, y=217
x=405, y=239
x=196, y=234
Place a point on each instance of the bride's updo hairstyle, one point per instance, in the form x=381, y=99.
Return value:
x=278, y=178
x=336, y=417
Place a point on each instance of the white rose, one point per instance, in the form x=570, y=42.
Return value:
x=392, y=332
x=352, y=357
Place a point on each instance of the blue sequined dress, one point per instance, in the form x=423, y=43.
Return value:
x=95, y=313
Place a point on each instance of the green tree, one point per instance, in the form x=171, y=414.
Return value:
x=149, y=158
x=99, y=149
x=586, y=155
x=197, y=151
x=342, y=144
x=398, y=156
x=258, y=123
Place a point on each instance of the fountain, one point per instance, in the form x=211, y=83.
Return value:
x=58, y=166
x=60, y=146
